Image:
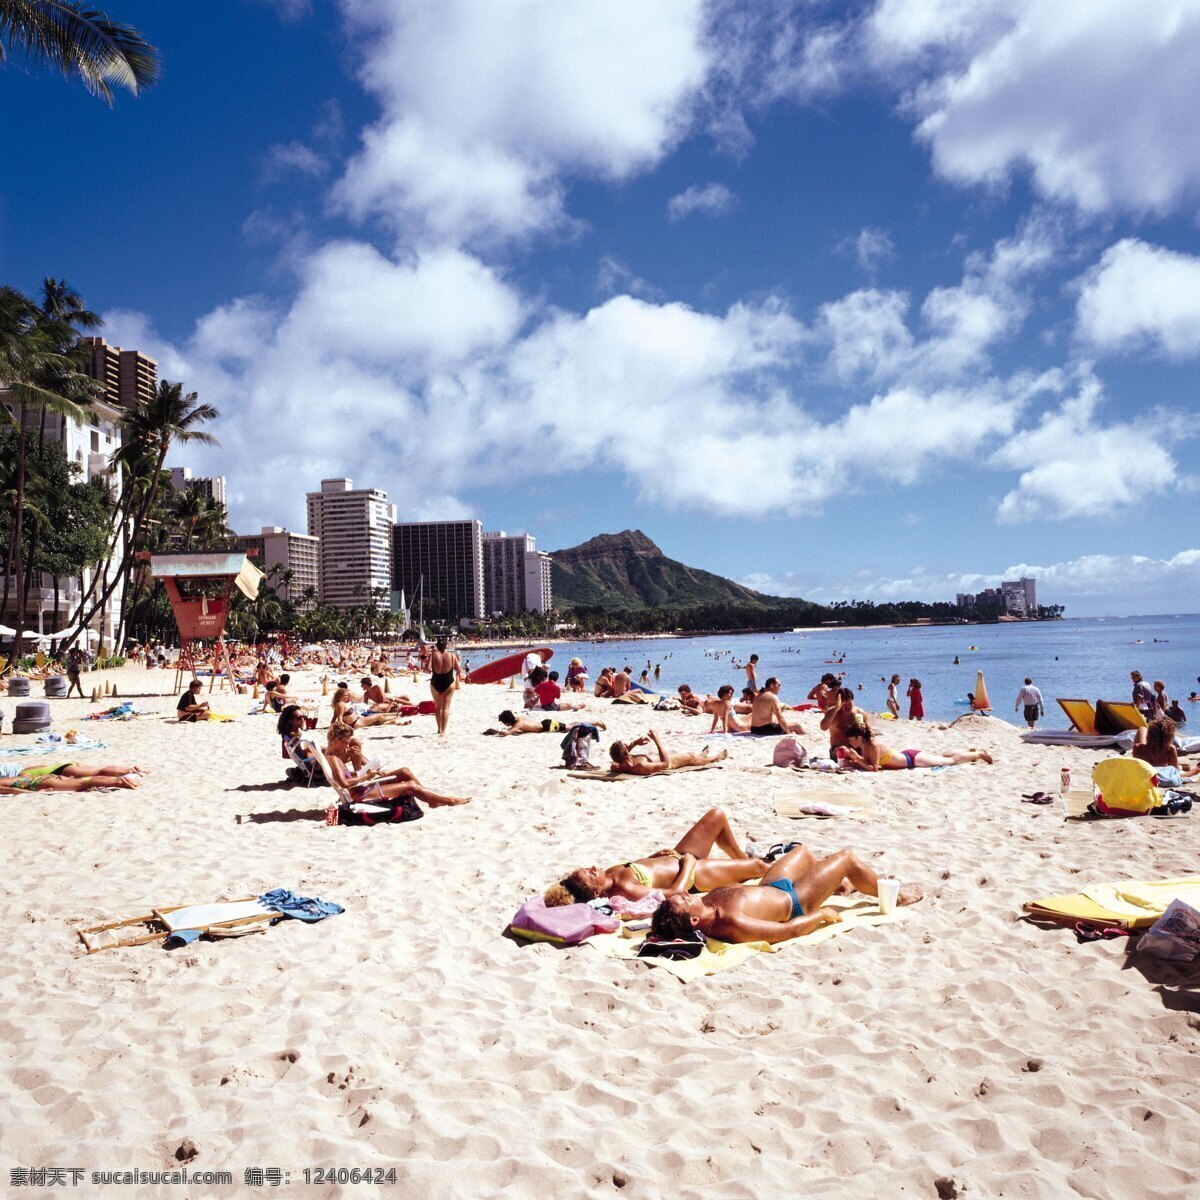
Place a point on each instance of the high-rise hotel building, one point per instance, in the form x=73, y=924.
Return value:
x=127, y=375
x=516, y=574
x=442, y=561
x=355, y=553
x=294, y=552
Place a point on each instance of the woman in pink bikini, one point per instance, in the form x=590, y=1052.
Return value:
x=867, y=754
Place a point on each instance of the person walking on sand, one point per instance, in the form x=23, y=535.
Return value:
x=74, y=668
x=444, y=669
x=893, y=701
x=1030, y=698
x=916, y=702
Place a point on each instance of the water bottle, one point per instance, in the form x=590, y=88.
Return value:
x=1065, y=780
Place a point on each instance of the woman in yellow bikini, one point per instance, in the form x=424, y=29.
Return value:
x=687, y=867
x=868, y=754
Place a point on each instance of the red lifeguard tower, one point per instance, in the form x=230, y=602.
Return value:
x=199, y=587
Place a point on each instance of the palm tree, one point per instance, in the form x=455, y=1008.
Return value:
x=79, y=41
x=151, y=428
x=36, y=367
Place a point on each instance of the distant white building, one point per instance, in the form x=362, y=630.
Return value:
x=539, y=591
x=295, y=552
x=89, y=443
x=212, y=486
x=1020, y=597
x=355, y=553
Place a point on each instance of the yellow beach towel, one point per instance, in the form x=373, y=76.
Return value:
x=720, y=956
x=1130, y=904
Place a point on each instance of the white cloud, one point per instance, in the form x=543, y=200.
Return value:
x=711, y=199
x=486, y=106
x=871, y=247
x=1095, y=98
x=1074, y=467
x=1139, y=296
x=1091, y=585
x=870, y=338
x=288, y=157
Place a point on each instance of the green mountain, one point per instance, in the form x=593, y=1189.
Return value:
x=623, y=571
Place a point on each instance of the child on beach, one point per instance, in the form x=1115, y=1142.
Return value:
x=916, y=703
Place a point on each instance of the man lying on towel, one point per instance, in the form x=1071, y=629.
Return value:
x=786, y=904
x=625, y=762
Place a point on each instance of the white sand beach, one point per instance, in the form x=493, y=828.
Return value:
x=959, y=1045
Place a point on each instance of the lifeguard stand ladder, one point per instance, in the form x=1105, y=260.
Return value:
x=199, y=587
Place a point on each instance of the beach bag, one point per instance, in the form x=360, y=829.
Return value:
x=1125, y=787
x=1175, y=935
x=390, y=812
x=577, y=753
x=564, y=926
x=426, y=707
x=790, y=752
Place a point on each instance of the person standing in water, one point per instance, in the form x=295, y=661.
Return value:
x=893, y=702
x=444, y=669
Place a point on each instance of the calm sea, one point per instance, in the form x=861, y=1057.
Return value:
x=1088, y=658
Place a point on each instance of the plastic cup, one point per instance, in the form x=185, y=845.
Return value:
x=889, y=893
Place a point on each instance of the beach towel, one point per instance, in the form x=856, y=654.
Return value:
x=824, y=802
x=717, y=956
x=41, y=747
x=619, y=776
x=300, y=908
x=1128, y=904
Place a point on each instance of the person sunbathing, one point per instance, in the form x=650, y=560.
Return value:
x=788, y=902
x=840, y=714
x=689, y=865
x=373, y=695
x=627, y=763
x=66, y=777
x=350, y=771
x=345, y=713
x=689, y=702
x=514, y=725
x=766, y=712
x=1155, y=744
x=723, y=718
x=864, y=752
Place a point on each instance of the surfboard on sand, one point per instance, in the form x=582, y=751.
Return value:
x=506, y=667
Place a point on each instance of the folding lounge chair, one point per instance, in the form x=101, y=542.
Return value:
x=307, y=767
x=1080, y=713
x=343, y=794
x=1114, y=715
x=158, y=924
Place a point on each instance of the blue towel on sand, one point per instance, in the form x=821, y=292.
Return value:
x=301, y=908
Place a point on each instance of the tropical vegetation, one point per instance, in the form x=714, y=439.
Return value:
x=78, y=41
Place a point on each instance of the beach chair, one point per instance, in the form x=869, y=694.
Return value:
x=158, y=924
x=1114, y=715
x=343, y=794
x=293, y=751
x=1080, y=713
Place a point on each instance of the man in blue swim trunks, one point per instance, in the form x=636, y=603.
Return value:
x=786, y=904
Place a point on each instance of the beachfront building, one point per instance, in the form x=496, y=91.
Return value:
x=353, y=529
x=1020, y=597
x=89, y=441
x=516, y=574
x=128, y=376
x=289, y=561
x=212, y=486
x=1013, y=598
x=443, y=563
x=539, y=595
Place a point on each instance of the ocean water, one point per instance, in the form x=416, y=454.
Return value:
x=1089, y=658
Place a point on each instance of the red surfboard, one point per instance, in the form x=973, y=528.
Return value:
x=506, y=667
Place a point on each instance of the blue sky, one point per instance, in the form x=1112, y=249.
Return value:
x=870, y=300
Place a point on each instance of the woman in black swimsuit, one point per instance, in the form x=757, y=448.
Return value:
x=444, y=670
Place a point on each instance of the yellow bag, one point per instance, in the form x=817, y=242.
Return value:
x=1125, y=787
